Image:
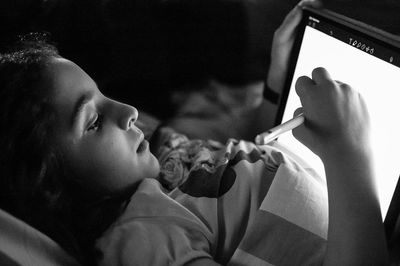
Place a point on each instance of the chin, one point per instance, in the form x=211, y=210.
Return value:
x=155, y=167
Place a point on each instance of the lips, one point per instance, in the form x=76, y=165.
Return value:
x=142, y=146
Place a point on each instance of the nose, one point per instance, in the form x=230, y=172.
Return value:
x=128, y=116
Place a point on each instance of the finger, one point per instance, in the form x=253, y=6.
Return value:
x=305, y=132
x=298, y=112
x=292, y=19
x=302, y=84
x=311, y=3
x=287, y=28
x=298, y=133
x=301, y=133
x=320, y=75
x=342, y=84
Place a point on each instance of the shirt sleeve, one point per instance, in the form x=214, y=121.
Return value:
x=155, y=241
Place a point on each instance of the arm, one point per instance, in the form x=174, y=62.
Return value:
x=337, y=129
x=282, y=45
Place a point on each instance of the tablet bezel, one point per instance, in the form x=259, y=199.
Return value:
x=358, y=29
x=352, y=26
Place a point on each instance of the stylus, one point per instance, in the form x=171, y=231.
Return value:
x=273, y=133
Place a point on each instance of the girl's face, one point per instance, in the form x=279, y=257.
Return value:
x=98, y=138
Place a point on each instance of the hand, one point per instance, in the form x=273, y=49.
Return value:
x=336, y=116
x=336, y=128
x=282, y=45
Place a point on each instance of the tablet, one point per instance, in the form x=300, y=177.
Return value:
x=367, y=59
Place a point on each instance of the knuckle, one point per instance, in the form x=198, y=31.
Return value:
x=332, y=85
x=346, y=87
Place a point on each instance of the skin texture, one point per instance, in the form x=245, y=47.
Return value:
x=336, y=128
x=102, y=146
x=282, y=44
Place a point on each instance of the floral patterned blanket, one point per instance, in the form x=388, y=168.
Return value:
x=237, y=204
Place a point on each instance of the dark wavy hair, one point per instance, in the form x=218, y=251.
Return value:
x=34, y=185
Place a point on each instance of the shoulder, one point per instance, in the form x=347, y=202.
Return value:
x=153, y=241
x=154, y=230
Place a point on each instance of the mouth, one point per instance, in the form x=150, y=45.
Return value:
x=144, y=144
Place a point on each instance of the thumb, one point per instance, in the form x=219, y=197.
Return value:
x=311, y=3
x=287, y=29
x=303, y=133
x=298, y=112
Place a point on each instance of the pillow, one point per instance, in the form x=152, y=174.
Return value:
x=21, y=244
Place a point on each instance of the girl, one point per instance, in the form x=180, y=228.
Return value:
x=75, y=165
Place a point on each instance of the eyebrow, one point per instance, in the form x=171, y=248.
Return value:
x=79, y=107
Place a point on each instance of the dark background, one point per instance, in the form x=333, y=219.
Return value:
x=138, y=51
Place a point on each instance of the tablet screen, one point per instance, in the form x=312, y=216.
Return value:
x=369, y=66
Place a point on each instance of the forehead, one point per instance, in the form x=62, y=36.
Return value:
x=68, y=78
x=69, y=82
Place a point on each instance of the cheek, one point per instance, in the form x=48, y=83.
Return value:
x=108, y=167
x=108, y=163
x=100, y=165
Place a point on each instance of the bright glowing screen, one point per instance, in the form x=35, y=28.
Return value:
x=379, y=83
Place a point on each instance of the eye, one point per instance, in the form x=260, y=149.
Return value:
x=96, y=125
